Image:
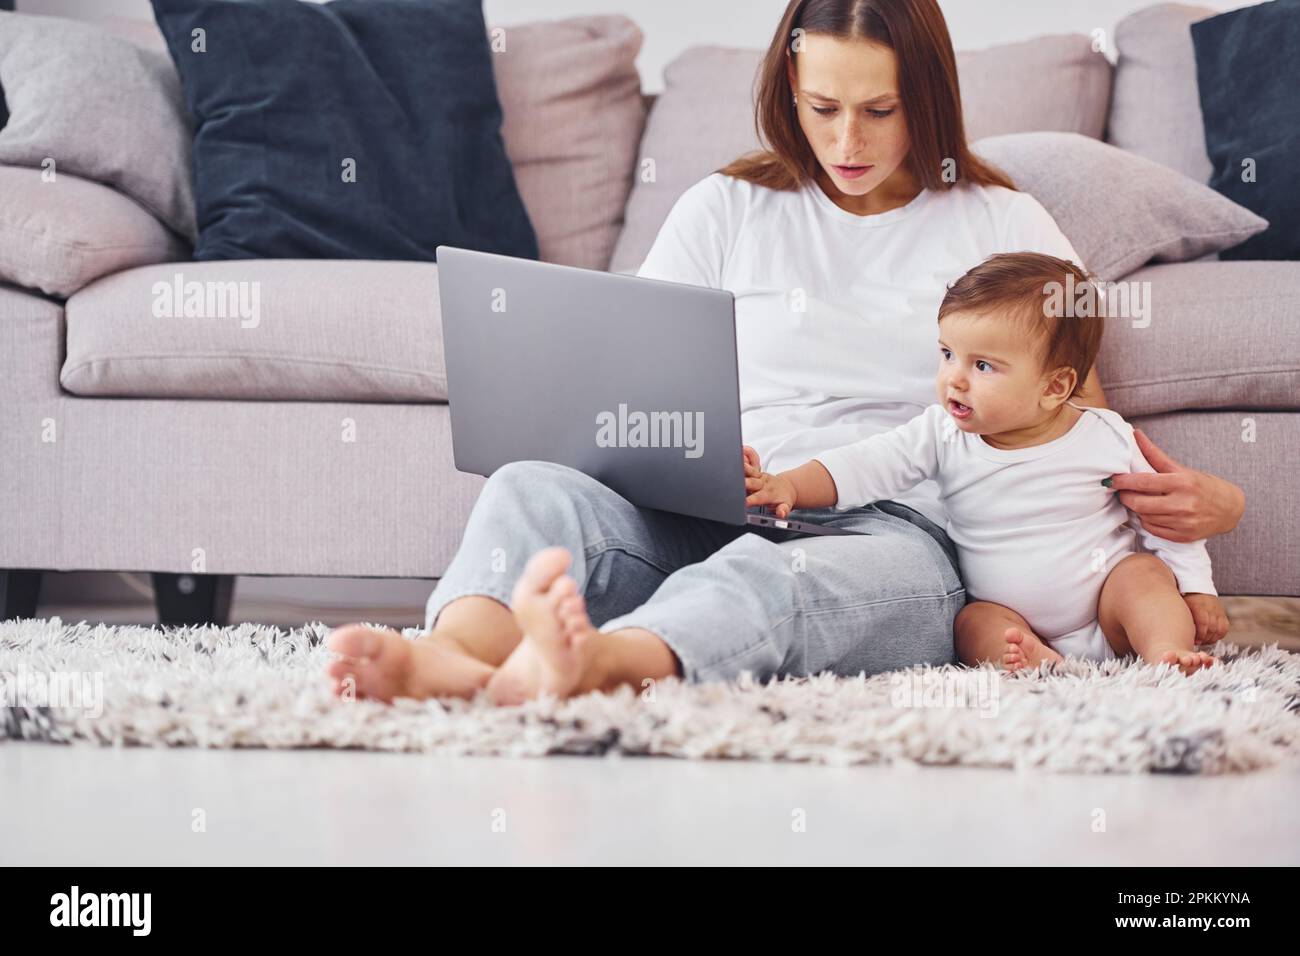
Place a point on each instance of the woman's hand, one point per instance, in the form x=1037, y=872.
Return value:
x=1211, y=620
x=1178, y=503
x=763, y=489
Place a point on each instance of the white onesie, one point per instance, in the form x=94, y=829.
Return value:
x=1035, y=529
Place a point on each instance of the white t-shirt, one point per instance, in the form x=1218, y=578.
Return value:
x=1034, y=527
x=837, y=314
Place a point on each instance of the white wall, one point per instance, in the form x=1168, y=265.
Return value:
x=671, y=26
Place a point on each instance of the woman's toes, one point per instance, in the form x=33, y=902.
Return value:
x=572, y=610
x=355, y=640
x=563, y=589
x=539, y=574
x=339, y=669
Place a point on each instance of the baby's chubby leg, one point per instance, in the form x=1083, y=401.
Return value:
x=984, y=631
x=1142, y=612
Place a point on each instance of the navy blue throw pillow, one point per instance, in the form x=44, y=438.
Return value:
x=356, y=129
x=1248, y=73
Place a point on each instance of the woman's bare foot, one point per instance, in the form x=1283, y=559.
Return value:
x=384, y=665
x=1025, y=651
x=1187, y=661
x=557, y=646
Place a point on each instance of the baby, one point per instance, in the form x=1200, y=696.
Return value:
x=1048, y=554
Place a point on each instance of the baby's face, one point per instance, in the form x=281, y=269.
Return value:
x=991, y=367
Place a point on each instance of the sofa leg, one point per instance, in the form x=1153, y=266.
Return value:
x=193, y=598
x=19, y=591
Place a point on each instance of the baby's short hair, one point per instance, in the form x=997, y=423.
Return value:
x=1054, y=300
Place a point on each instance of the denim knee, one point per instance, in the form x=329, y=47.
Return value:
x=534, y=479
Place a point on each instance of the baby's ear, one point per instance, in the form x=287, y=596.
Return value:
x=1059, y=386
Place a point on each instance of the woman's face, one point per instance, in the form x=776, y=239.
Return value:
x=851, y=113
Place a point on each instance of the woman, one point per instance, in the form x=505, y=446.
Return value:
x=838, y=243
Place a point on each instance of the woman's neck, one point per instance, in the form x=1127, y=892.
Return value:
x=898, y=190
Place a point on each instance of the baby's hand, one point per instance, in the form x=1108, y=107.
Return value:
x=762, y=488
x=1211, y=620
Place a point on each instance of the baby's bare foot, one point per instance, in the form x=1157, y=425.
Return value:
x=1024, y=651
x=556, y=649
x=1186, y=660
x=384, y=665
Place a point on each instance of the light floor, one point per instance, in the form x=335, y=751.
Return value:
x=96, y=806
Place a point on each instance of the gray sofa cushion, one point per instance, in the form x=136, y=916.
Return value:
x=705, y=117
x=1120, y=211
x=1155, y=109
x=59, y=235
x=101, y=108
x=1220, y=335
x=571, y=97
x=300, y=330
x=1055, y=82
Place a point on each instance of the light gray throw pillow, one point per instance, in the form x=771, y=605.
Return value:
x=58, y=236
x=100, y=108
x=1119, y=211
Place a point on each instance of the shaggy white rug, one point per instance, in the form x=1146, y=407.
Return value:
x=253, y=686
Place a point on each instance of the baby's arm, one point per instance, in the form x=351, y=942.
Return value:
x=872, y=469
x=810, y=485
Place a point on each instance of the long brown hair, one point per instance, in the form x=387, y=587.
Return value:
x=927, y=79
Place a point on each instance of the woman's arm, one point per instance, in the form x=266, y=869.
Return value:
x=1177, y=503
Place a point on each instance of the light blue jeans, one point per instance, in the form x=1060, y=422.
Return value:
x=725, y=599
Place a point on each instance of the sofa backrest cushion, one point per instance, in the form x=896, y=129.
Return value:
x=705, y=116
x=574, y=116
x=1155, y=111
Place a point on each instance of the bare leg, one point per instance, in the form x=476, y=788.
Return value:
x=481, y=626
x=474, y=634
x=1141, y=612
x=984, y=631
x=382, y=664
x=562, y=653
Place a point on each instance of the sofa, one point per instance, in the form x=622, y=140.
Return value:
x=319, y=442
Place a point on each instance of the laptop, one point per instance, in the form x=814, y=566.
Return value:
x=632, y=381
